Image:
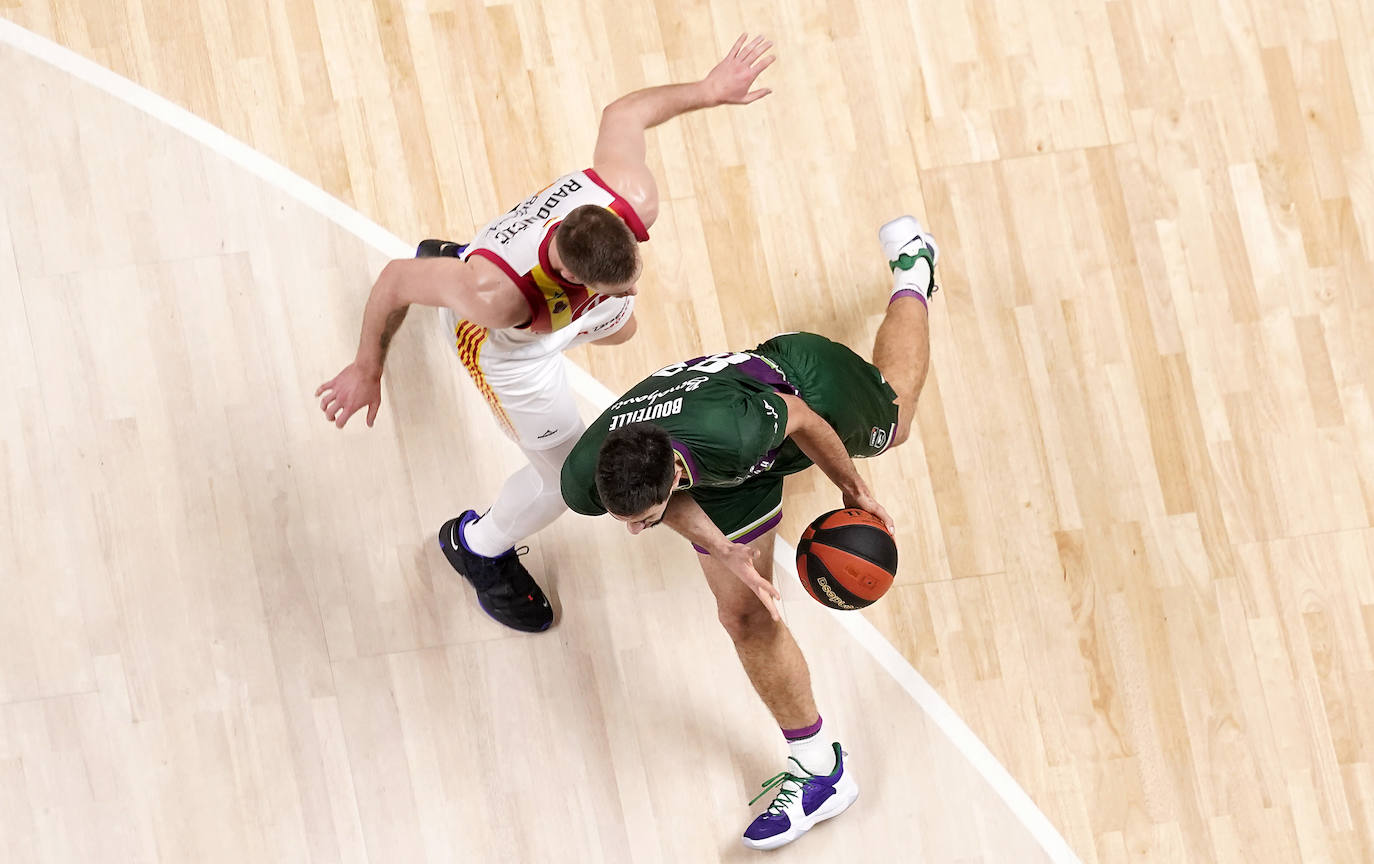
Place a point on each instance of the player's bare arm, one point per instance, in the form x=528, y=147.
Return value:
x=819, y=441
x=475, y=291
x=685, y=516
x=620, y=146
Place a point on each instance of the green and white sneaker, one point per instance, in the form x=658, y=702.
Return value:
x=911, y=254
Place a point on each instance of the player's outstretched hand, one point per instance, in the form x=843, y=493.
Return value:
x=346, y=393
x=864, y=500
x=731, y=79
x=739, y=559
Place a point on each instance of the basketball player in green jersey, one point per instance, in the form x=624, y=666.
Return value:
x=703, y=446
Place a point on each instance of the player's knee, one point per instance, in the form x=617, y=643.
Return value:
x=745, y=621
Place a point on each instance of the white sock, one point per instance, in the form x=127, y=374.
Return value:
x=814, y=751
x=530, y=499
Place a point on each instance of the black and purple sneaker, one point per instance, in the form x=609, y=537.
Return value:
x=505, y=589
x=440, y=249
x=802, y=800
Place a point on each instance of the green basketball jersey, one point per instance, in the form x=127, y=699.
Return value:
x=723, y=413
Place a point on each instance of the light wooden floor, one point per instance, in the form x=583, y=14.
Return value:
x=1136, y=526
x=229, y=635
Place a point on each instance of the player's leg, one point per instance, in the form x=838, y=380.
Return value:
x=531, y=401
x=816, y=784
x=482, y=547
x=902, y=349
x=766, y=649
x=528, y=502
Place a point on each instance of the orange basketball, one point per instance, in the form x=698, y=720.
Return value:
x=846, y=559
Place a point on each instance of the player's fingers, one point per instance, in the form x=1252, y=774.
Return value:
x=883, y=516
x=738, y=43
x=755, y=96
x=764, y=64
x=767, y=600
x=756, y=51
x=320, y=389
x=372, y=411
x=344, y=414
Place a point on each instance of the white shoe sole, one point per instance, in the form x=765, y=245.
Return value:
x=897, y=233
x=834, y=806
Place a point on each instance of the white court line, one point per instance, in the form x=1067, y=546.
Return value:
x=583, y=384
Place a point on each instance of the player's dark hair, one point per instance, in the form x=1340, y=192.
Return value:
x=597, y=247
x=634, y=469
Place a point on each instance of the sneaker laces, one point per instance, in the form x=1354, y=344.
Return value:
x=513, y=582
x=789, y=786
x=509, y=566
x=518, y=553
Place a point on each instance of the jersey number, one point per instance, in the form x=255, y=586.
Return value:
x=708, y=365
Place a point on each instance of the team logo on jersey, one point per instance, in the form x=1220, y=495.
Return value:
x=877, y=438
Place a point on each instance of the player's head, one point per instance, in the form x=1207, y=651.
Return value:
x=635, y=474
x=599, y=250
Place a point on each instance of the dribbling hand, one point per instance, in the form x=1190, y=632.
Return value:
x=731, y=79
x=346, y=393
x=864, y=500
x=739, y=560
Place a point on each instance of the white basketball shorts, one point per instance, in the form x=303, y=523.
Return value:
x=522, y=375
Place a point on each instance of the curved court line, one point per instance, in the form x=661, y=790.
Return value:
x=302, y=190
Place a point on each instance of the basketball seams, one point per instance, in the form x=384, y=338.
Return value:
x=856, y=576
x=846, y=559
x=832, y=538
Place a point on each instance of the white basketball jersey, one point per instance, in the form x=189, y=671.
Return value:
x=518, y=242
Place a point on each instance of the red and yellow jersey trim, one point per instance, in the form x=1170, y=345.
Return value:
x=468, y=339
x=555, y=302
x=620, y=207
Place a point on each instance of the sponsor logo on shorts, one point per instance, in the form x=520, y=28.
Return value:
x=755, y=470
x=877, y=438
x=824, y=584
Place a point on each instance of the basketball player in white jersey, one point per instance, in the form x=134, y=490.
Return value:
x=557, y=270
